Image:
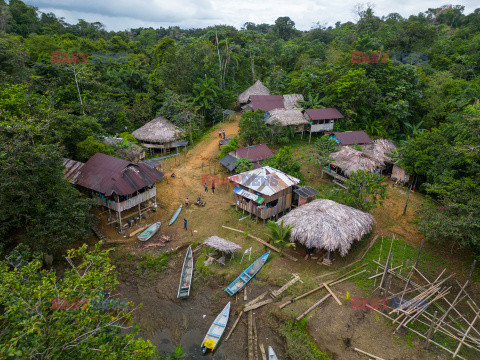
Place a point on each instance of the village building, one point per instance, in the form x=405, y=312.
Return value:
x=322, y=120
x=381, y=150
x=400, y=174
x=325, y=224
x=129, y=151
x=350, y=138
x=222, y=248
x=71, y=170
x=160, y=135
x=255, y=153
x=292, y=118
x=263, y=192
x=256, y=89
x=303, y=195
x=154, y=163
x=271, y=102
x=115, y=183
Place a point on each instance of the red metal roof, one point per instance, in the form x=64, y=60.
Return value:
x=255, y=152
x=266, y=102
x=352, y=137
x=71, y=170
x=324, y=114
x=107, y=175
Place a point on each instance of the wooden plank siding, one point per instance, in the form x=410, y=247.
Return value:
x=129, y=203
x=284, y=202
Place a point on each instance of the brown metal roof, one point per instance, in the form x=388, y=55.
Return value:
x=71, y=170
x=324, y=114
x=254, y=152
x=107, y=175
x=266, y=102
x=352, y=137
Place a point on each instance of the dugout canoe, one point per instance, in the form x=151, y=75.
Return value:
x=271, y=354
x=175, y=215
x=186, y=277
x=211, y=340
x=247, y=274
x=151, y=230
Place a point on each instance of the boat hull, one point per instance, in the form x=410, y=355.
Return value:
x=186, y=276
x=175, y=215
x=247, y=274
x=151, y=230
x=216, y=330
x=271, y=354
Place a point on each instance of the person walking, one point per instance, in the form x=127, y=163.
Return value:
x=213, y=187
x=220, y=134
x=224, y=134
x=185, y=224
x=206, y=187
x=186, y=202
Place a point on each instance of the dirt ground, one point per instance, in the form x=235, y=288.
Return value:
x=168, y=322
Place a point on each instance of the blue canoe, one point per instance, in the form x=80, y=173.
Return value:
x=147, y=234
x=175, y=216
x=247, y=274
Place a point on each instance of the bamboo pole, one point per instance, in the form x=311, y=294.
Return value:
x=427, y=341
x=250, y=336
x=306, y=312
x=369, y=355
x=262, y=350
x=257, y=305
x=234, y=325
x=258, y=298
x=333, y=294
x=465, y=335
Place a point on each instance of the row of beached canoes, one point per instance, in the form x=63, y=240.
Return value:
x=152, y=229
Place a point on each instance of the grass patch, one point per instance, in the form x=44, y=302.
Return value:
x=145, y=265
x=299, y=344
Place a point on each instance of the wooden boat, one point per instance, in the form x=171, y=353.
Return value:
x=271, y=354
x=151, y=230
x=247, y=274
x=175, y=215
x=211, y=340
x=187, y=273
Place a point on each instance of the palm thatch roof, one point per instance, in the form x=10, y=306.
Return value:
x=256, y=89
x=286, y=117
x=351, y=160
x=328, y=225
x=379, y=149
x=159, y=130
x=290, y=101
x=222, y=245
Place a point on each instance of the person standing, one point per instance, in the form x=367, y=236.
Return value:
x=186, y=202
x=213, y=187
x=185, y=224
x=220, y=134
x=206, y=187
x=224, y=134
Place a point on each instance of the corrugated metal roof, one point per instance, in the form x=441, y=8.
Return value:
x=254, y=152
x=324, y=114
x=229, y=162
x=352, y=137
x=152, y=162
x=107, y=175
x=71, y=170
x=266, y=102
x=306, y=192
x=265, y=180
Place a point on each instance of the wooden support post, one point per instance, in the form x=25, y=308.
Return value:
x=255, y=339
x=369, y=355
x=251, y=356
x=427, y=341
x=419, y=253
x=257, y=305
x=306, y=312
x=385, y=272
x=244, y=294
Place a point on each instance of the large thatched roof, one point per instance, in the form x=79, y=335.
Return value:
x=290, y=101
x=329, y=225
x=379, y=149
x=222, y=244
x=286, y=117
x=256, y=89
x=159, y=130
x=351, y=160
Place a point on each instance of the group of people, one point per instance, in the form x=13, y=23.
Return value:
x=187, y=202
x=221, y=133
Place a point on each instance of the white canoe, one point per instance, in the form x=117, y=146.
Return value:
x=211, y=340
x=147, y=234
x=186, y=277
x=271, y=354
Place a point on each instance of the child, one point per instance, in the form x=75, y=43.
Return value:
x=213, y=187
x=186, y=202
x=206, y=187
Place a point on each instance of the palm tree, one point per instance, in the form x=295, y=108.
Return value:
x=312, y=102
x=280, y=235
x=204, y=94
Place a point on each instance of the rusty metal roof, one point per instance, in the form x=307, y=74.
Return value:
x=265, y=180
x=254, y=152
x=324, y=114
x=266, y=102
x=71, y=170
x=108, y=175
x=352, y=137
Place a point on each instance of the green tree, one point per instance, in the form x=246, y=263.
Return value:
x=45, y=210
x=205, y=93
x=284, y=27
x=243, y=165
x=364, y=191
x=252, y=127
x=35, y=324
x=283, y=160
x=279, y=234
x=90, y=146
x=234, y=144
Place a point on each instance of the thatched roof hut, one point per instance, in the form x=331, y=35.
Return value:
x=222, y=245
x=256, y=89
x=290, y=101
x=379, y=149
x=329, y=225
x=287, y=117
x=158, y=131
x=351, y=160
